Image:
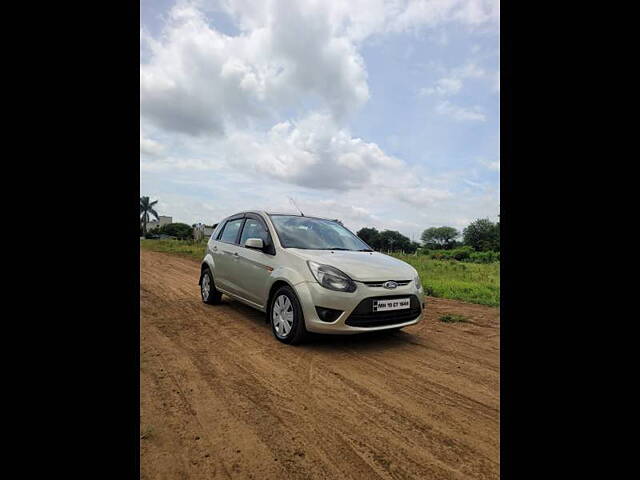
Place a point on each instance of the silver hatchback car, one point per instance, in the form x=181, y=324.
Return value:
x=308, y=275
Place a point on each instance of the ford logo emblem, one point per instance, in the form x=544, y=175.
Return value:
x=390, y=284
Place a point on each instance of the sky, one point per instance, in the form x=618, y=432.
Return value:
x=381, y=113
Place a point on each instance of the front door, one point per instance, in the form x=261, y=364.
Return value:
x=255, y=266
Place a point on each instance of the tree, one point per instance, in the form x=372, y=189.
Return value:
x=179, y=230
x=482, y=235
x=440, y=237
x=370, y=236
x=387, y=240
x=393, y=240
x=146, y=209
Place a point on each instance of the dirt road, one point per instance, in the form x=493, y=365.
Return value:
x=221, y=398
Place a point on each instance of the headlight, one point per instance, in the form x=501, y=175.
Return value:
x=418, y=282
x=331, y=278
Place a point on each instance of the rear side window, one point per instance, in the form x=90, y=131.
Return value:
x=254, y=229
x=231, y=229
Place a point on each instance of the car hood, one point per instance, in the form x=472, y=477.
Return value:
x=362, y=266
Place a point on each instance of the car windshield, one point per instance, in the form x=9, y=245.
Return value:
x=315, y=234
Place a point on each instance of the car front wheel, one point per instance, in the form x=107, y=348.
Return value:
x=287, y=321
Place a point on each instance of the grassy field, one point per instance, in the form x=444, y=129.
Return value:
x=470, y=282
x=177, y=247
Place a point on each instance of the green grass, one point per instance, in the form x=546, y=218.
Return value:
x=470, y=282
x=177, y=247
x=453, y=318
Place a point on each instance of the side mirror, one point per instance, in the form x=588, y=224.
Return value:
x=256, y=243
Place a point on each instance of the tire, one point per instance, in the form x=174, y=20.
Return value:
x=209, y=295
x=286, y=318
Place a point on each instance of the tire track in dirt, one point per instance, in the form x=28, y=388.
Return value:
x=243, y=377
x=262, y=404
x=421, y=403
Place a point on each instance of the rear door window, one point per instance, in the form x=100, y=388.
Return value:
x=231, y=229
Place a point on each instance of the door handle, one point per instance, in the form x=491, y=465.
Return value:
x=214, y=248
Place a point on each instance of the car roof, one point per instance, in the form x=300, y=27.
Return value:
x=268, y=213
x=299, y=215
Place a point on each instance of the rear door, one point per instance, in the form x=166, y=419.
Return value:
x=255, y=266
x=225, y=255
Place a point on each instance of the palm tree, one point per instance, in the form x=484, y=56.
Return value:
x=146, y=208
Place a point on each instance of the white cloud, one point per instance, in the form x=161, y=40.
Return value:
x=409, y=204
x=472, y=183
x=422, y=196
x=150, y=147
x=461, y=114
x=199, y=81
x=417, y=13
x=351, y=216
x=495, y=165
x=313, y=153
x=360, y=19
x=177, y=163
x=453, y=82
x=336, y=174
x=218, y=112
x=444, y=86
x=469, y=70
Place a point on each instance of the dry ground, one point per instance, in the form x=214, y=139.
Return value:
x=221, y=398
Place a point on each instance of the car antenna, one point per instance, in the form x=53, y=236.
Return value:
x=295, y=205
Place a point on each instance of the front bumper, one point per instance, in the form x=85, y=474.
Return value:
x=312, y=294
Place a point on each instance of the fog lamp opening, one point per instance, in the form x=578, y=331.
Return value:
x=328, y=314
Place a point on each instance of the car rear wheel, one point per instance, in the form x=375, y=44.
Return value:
x=208, y=290
x=285, y=314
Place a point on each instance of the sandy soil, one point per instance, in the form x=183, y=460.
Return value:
x=221, y=398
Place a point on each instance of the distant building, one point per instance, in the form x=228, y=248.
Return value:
x=162, y=221
x=200, y=231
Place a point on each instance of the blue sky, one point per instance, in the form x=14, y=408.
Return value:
x=381, y=113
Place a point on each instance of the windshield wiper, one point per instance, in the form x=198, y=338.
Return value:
x=365, y=250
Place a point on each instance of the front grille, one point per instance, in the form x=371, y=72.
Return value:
x=364, y=316
x=401, y=283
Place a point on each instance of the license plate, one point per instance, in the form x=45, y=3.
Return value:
x=394, y=304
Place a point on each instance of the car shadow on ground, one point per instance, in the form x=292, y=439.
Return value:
x=378, y=341
x=361, y=342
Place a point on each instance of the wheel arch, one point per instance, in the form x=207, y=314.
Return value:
x=272, y=291
x=206, y=263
